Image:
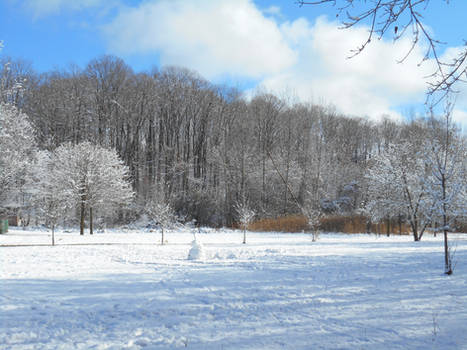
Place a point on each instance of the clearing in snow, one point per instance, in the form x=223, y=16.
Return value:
x=123, y=290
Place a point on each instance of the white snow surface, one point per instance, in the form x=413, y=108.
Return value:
x=123, y=290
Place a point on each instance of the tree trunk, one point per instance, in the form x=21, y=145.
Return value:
x=263, y=186
x=244, y=234
x=53, y=235
x=388, y=226
x=422, y=231
x=400, y=224
x=162, y=236
x=91, y=228
x=447, y=258
x=81, y=222
x=414, y=225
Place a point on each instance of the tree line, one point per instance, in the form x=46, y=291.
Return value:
x=204, y=148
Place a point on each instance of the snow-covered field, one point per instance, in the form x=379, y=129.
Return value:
x=122, y=290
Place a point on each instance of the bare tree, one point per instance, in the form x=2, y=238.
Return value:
x=48, y=201
x=397, y=17
x=445, y=155
x=313, y=216
x=245, y=215
x=161, y=212
x=397, y=184
x=265, y=110
x=16, y=79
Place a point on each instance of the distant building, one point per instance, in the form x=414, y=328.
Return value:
x=14, y=220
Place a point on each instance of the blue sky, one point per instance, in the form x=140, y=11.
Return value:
x=274, y=45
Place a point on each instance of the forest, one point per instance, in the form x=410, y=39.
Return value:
x=207, y=152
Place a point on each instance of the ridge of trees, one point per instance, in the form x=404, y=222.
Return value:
x=207, y=147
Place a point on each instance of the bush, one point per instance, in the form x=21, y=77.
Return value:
x=460, y=227
x=293, y=223
x=347, y=224
x=361, y=224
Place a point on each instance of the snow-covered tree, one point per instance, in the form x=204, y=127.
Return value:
x=48, y=201
x=397, y=185
x=445, y=155
x=245, y=215
x=17, y=145
x=205, y=144
x=313, y=215
x=159, y=210
x=91, y=177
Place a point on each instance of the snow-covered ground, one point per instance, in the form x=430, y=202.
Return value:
x=122, y=290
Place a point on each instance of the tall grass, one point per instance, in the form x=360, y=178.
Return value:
x=345, y=224
x=292, y=223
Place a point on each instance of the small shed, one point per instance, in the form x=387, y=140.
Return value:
x=14, y=220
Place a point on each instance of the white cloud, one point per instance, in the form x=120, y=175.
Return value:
x=371, y=83
x=273, y=10
x=459, y=113
x=461, y=88
x=41, y=8
x=234, y=38
x=213, y=37
x=238, y=40
x=460, y=117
